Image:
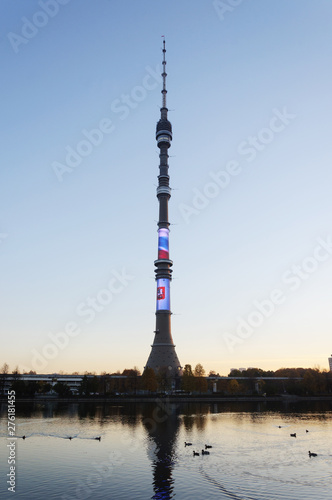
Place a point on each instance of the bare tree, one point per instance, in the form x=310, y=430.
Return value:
x=16, y=373
x=5, y=369
x=3, y=377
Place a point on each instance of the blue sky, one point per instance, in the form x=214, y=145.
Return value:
x=250, y=164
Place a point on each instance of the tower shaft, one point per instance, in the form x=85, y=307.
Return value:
x=163, y=355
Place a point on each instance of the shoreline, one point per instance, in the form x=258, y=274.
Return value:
x=172, y=399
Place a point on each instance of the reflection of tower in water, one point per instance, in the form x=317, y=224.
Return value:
x=161, y=423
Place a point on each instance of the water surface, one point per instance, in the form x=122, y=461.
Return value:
x=141, y=453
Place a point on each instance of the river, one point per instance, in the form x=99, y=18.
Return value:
x=141, y=453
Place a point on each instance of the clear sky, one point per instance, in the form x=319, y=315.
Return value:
x=249, y=93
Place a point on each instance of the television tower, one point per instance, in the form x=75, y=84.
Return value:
x=163, y=353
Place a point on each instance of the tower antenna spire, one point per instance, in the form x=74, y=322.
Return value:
x=164, y=74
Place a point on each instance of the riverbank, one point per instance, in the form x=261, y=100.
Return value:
x=171, y=399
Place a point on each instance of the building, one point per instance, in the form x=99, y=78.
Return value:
x=71, y=381
x=330, y=363
x=163, y=356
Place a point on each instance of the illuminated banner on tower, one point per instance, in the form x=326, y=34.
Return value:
x=163, y=296
x=163, y=243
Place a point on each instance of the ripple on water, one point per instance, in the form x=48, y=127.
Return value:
x=255, y=481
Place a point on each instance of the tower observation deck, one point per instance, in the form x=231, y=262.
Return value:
x=163, y=355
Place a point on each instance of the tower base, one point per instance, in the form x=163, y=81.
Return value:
x=164, y=358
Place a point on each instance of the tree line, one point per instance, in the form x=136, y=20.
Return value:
x=300, y=381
